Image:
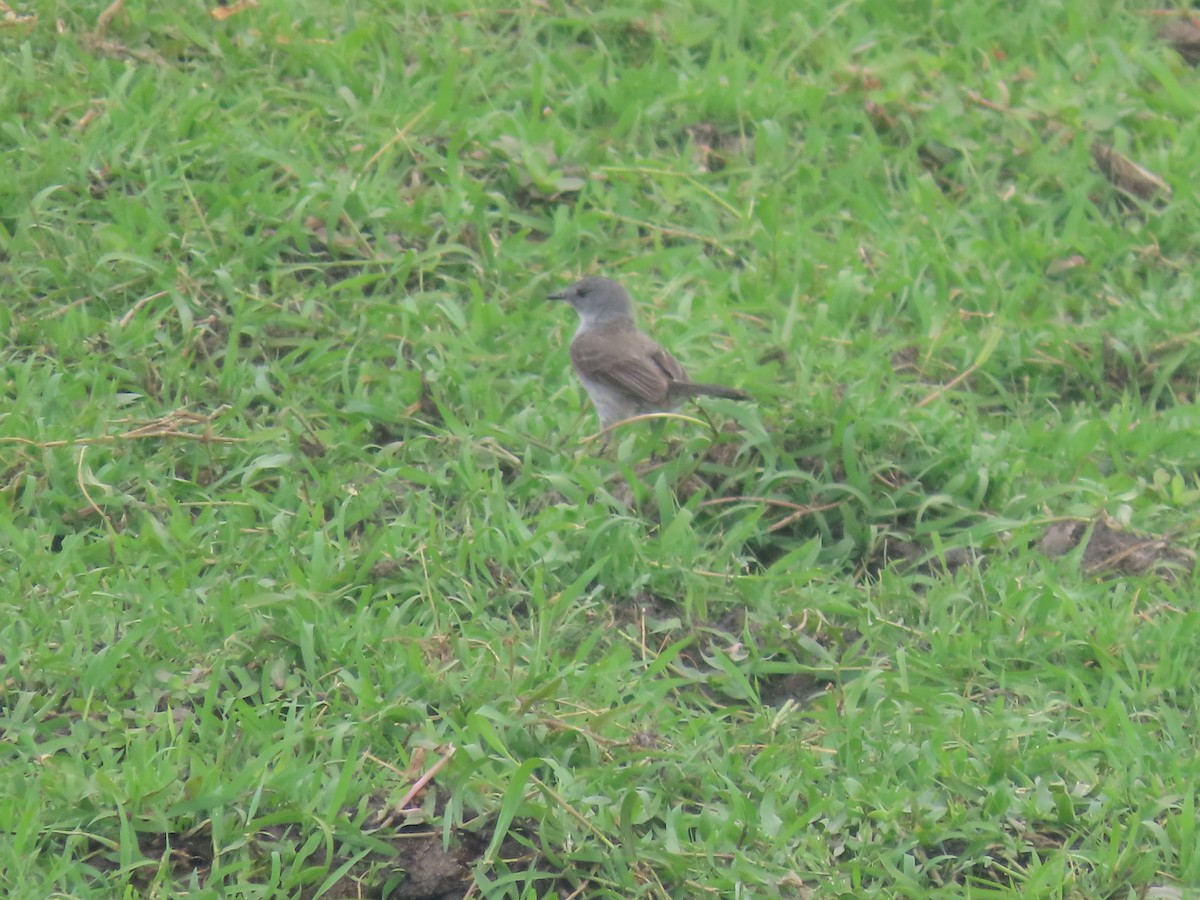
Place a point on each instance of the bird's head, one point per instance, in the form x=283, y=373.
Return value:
x=597, y=300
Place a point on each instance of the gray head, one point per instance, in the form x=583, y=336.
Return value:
x=597, y=300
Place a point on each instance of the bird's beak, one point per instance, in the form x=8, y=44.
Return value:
x=557, y=295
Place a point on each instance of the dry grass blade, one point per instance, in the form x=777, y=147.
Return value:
x=106, y=18
x=799, y=511
x=118, y=50
x=168, y=426
x=400, y=808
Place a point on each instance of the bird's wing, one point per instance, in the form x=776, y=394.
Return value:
x=669, y=364
x=638, y=366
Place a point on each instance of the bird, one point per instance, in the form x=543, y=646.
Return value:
x=624, y=370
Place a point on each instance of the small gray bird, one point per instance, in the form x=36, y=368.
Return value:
x=623, y=370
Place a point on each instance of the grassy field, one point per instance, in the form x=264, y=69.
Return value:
x=312, y=583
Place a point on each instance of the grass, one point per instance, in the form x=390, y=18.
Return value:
x=296, y=505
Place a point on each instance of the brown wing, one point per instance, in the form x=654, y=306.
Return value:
x=632, y=363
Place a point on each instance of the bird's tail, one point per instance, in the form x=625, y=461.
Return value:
x=692, y=389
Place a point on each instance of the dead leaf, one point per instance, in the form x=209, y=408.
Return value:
x=221, y=13
x=1112, y=550
x=713, y=148
x=935, y=155
x=1183, y=35
x=1060, y=267
x=881, y=120
x=8, y=17
x=1127, y=176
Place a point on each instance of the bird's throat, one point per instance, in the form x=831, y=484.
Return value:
x=615, y=325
